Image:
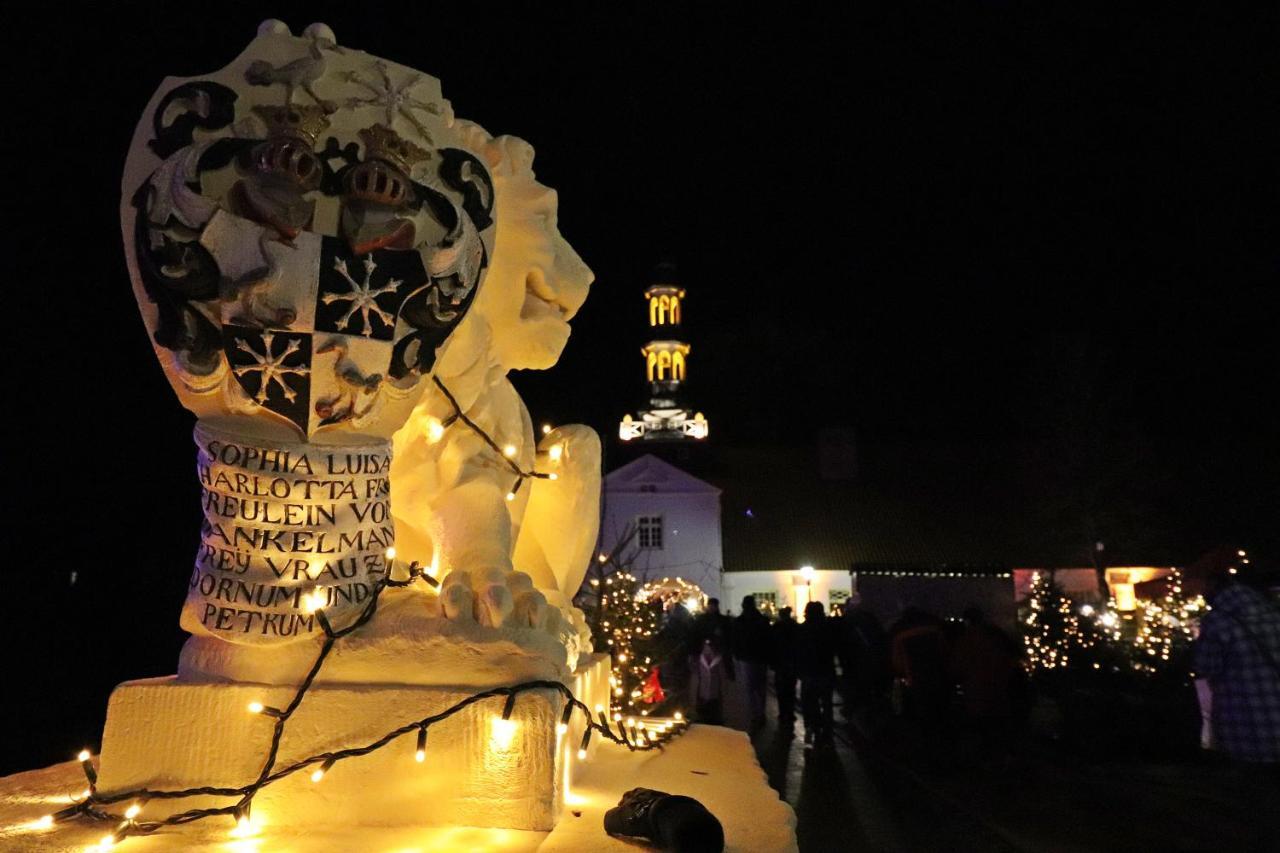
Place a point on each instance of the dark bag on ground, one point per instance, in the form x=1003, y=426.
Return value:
x=668, y=821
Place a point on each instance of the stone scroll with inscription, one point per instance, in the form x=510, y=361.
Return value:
x=282, y=521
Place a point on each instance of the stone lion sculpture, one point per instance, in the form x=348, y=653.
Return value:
x=324, y=255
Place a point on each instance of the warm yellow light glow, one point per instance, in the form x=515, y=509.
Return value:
x=546, y=429
x=435, y=430
x=509, y=451
x=502, y=734
x=511, y=496
x=555, y=452
x=84, y=755
x=603, y=558
x=807, y=572
x=664, y=309
x=256, y=707
x=245, y=828
x=582, y=755
x=317, y=774
x=314, y=600
x=679, y=716
x=107, y=842
x=1126, y=598
x=553, y=476
x=43, y=823
x=420, y=756
x=391, y=552
x=133, y=811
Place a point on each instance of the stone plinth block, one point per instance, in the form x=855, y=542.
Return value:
x=165, y=734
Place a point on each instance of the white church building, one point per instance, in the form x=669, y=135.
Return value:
x=671, y=520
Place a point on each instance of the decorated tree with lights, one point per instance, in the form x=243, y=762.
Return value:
x=1161, y=644
x=625, y=623
x=1051, y=627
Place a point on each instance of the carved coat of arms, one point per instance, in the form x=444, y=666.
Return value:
x=302, y=236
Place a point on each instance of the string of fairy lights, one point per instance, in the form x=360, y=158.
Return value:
x=634, y=735
x=507, y=453
x=626, y=623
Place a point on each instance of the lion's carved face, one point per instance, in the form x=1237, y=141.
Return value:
x=536, y=282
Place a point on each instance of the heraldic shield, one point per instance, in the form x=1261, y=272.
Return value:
x=303, y=263
x=337, y=323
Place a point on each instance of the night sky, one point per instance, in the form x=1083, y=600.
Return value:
x=1032, y=226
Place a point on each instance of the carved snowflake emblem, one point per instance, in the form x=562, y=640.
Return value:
x=271, y=366
x=363, y=296
x=392, y=98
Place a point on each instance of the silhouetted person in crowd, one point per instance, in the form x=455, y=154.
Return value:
x=675, y=640
x=751, y=648
x=817, y=669
x=985, y=662
x=712, y=623
x=708, y=680
x=863, y=657
x=784, y=651
x=917, y=653
x=1237, y=657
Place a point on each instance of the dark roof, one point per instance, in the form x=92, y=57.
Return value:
x=778, y=513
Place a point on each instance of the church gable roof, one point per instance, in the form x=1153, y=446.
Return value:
x=652, y=474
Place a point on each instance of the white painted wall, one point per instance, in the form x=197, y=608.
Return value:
x=783, y=585
x=690, y=511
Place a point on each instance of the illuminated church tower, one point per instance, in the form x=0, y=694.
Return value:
x=666, y=360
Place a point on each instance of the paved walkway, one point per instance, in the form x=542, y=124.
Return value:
x=883, y=794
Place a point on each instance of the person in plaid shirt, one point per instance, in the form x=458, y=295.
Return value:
x=1238, y=654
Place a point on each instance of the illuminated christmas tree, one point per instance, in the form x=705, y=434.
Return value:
x=1051, y=628
x=624, y=623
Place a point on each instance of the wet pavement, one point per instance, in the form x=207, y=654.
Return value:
x=887, y=793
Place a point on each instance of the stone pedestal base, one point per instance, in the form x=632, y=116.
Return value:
x=166, y=734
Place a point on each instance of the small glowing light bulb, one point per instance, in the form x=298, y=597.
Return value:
x=509, y=451
x=107, y=841
x=546, y=429
x=317, y=775
x=435, y=430
x=553, y=476
x=84, y=755
x=391, y=552
x=256, y=707
x=133, y=811
x=44, y=822
x=420, y=756
x=244, y=828
x=511, y=496
x=555, y=452
x=561, y=728
x=679, y=716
